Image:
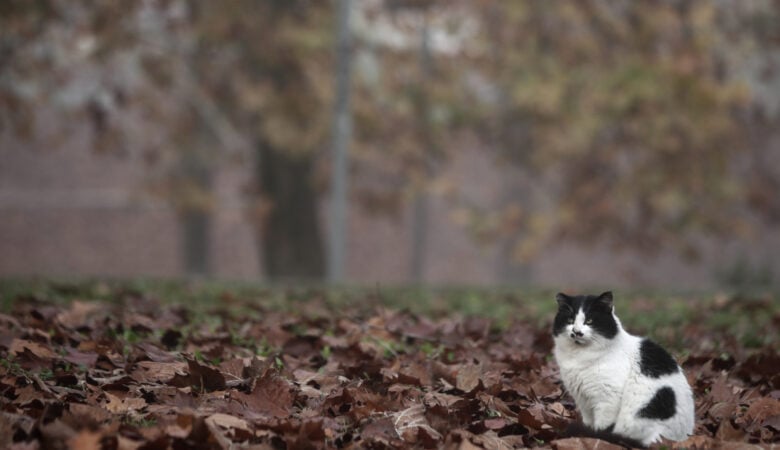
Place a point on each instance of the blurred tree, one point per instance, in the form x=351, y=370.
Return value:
x=420, y=206
x=341, y=135
x=407, y=108
x=267, y=64
x=208, y=78
x=195, y=171
x=100, y=64
x=622, y=115
x=625, y=117
x=621, y=110
x=750, y=45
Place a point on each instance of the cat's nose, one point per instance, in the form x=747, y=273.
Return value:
x=576, y=333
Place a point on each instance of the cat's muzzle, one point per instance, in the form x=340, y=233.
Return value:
x=577, y=337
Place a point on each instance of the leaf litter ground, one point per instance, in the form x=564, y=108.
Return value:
x=140, y=373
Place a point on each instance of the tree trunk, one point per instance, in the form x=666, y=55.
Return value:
x=196, y=219
x=341, y=131
x=291, y=240
x=196, y=227
x=420, y=207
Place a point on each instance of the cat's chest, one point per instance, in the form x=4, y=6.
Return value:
x=593, y=377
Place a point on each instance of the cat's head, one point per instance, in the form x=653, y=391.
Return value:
x=583, y=319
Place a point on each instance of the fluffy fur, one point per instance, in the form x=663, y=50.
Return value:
x=624, y=386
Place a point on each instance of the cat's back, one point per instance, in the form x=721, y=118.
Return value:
x=654, y=360
x=658, y=395
x=652, y=368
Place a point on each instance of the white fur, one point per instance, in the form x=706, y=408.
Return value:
x=604, y=378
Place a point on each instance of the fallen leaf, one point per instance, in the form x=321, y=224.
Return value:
x=89, y=414
x=157, y=372
x=18, y=346
x=468, y=377
x=762, y=409
x=204, y=377
x=86, y=440
x=532, y=417
x=491, y=441
x=728, y=432
x=409, y=421
x=76, y=316
x=228, y=421
x=381, y=432
x=722, y=411
x=271, y=396
x=117, y=405
x=722, y=390
x=495, y=424
x=583, y=444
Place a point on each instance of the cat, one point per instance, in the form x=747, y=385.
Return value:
x=628, y=389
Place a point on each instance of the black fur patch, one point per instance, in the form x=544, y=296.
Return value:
x=597, y=308
x=662, y=406
x=600, y=313
x=567, y=309
x=654, y=361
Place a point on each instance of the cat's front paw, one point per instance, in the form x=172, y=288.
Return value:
x=587, y=419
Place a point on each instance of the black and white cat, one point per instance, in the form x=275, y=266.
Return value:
x=625, y=387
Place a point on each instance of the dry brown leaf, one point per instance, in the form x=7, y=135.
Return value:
x=126, y=405
x=272, y=396
x=727, y=432
x=18, y=347
x=722, y=390
x=467, y=445
x=182, y=427
x=532, y=417
x=6, y=430
x=233, y=369
x=439, y=398
x=468, y=377
x=762, y=409
x=491, y=441
x=722, y=411
x=409, y=421
x=86, y=440
x=583, y=444
x=89, y=414
x=495, y=423
x=707, y=443
x=78, y=313
x=157, y=372
x=381, y=432
x=228, y=421
x=218, y=434
x=56, y=432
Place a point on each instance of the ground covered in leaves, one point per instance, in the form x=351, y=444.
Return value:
x=134, y=371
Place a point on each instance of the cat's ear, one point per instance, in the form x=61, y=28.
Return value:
x=562, y=299
x=605, y=299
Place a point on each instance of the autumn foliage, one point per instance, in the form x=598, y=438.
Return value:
x=641, y=125
x=137, y=372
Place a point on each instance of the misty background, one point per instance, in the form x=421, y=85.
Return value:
x=568, y=143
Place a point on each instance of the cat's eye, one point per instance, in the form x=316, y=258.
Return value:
x=589, y=321
x=571, y=321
